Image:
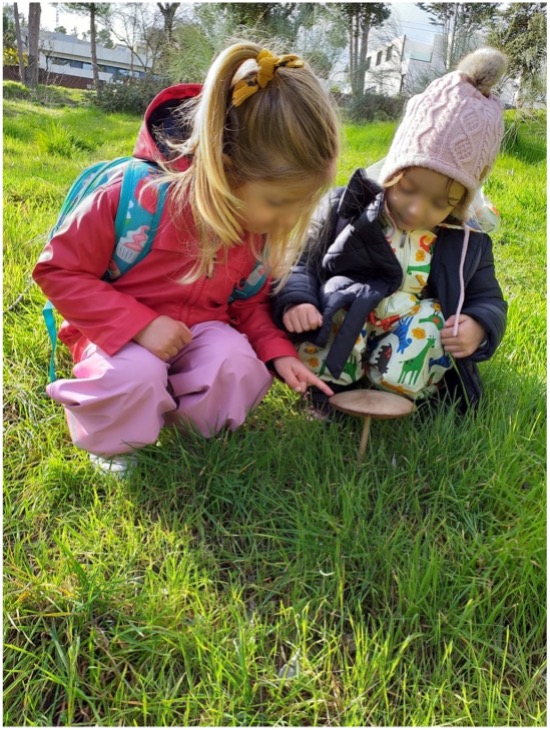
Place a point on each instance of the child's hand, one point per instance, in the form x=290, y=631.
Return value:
x=164, y=337
x=469, y=337
x=297, y=376
x=302, y=318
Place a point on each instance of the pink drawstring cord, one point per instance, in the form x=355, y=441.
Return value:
x=461, y=277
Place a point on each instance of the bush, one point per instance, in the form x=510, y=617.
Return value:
x=131, y=96
x=374, y=107
x=16, y=90
x=11, y=57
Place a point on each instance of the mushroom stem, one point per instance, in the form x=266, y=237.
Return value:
x=364, y=436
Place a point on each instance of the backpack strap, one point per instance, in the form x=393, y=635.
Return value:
x=138, y=216
x=49, y=318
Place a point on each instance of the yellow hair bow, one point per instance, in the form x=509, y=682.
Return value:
x=268, y=63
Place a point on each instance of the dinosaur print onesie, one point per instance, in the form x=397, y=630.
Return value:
x=399, y=348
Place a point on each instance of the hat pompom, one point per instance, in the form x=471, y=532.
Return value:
x=484, y=68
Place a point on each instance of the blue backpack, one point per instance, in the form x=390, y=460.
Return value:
x=135, y=227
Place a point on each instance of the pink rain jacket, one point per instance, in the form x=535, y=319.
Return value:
x=70, y=268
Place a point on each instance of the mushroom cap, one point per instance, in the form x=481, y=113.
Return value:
x=375, y=403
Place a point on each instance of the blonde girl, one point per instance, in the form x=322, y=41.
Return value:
x=247, y=157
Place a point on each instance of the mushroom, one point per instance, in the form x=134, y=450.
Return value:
x=369, y=404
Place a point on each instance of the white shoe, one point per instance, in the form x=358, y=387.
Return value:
x=118, y=466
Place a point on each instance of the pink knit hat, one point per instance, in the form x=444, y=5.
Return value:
x=453, y=127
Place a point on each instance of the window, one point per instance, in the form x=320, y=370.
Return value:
x=60, y=61
x=379, y=58
x=72, y=62
x=367, y=65
x=389, y=50
x=113, y=70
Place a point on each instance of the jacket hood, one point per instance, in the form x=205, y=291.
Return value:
x=160, y=121
x=360, y=193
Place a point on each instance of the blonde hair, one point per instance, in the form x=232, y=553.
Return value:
x=286, y=132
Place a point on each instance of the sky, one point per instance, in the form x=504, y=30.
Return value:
x=414, y=22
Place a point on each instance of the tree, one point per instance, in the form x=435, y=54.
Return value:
x=104, y=38
x=520, y=32
x=312, y=30
x=168, y=11
x=19, y=41
x=361, y=17
x=206, y=27
x=147, y=30
x=8, y=28
x=92, y=8
x=459, y=23
x=322, y=39
x=95, y=11
x=277, y=21
x=136, y=26
x=201, y=33
x=31, y=75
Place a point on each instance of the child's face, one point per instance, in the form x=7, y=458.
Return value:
x=270, y=207
x=422, y=199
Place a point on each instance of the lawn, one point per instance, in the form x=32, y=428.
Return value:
x=264, y=577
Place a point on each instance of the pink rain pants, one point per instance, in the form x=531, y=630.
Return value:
x=117, y=404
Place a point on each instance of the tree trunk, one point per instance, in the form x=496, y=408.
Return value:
x=19, y=44
x=361, y=65
x=168, y=11
x=446, y=23
x=351, y=58
x=358, y=47
x=93, y=47
x=34, y=29
x=453, y=37
x=354, y=55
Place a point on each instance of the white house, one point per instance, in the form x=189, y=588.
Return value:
x=404, y=66
x=67, y=55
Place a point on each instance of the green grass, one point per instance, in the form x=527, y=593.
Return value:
x=49, y=95
x=263, y=577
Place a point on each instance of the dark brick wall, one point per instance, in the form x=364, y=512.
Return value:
x=11, y=73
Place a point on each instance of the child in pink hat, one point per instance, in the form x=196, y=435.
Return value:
x=396, y=285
